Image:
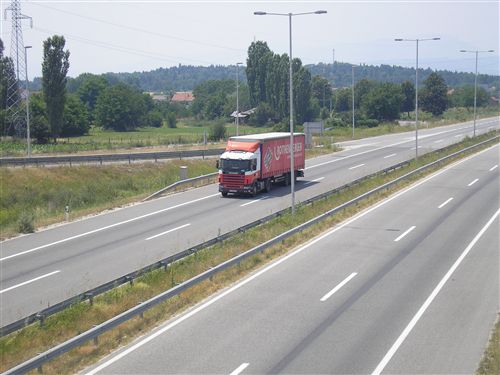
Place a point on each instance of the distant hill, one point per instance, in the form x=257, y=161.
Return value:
x=187, y=77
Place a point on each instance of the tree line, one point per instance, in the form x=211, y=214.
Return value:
x=68, y=107
x=55, y=112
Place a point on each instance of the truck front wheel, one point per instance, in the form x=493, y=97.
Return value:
x=254, y=190
x=224, y=194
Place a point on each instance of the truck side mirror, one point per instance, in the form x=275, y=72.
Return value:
x=217, y=164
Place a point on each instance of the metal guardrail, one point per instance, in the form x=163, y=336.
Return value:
x=129, y=278
x=98, y=330
x=102, y=158
x=187, y=181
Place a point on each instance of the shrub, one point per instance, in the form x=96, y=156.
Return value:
x=171, y=120
x=369, y=122
x=26, y=222
x=217, y=131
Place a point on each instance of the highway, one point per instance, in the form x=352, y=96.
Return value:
x=44, y=268
x=409, y=285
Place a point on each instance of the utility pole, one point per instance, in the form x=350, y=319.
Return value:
x=15, y=103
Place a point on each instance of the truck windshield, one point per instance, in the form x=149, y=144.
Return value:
x=234, y=166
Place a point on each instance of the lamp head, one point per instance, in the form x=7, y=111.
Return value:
x=398, y=40
x=462, y=50
x=320, y=12
x=436, y=38
x=259, y=13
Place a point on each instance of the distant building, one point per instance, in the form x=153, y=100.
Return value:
x=158, y=96
x=183, y=97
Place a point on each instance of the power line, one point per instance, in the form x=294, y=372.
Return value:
x=142, y=30
x=122, y=48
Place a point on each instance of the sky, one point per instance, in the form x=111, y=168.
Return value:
x=134, y=35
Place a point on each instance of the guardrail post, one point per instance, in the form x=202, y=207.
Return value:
x=39, y=369
x=96, y=340
x=90, y=297
x=130, y=279
x=164, y=265
x=41, y=318
x=129, y=158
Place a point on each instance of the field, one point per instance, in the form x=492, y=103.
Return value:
x=188, y=134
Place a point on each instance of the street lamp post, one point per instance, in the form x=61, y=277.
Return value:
x=416, y=87
x=237, y=98
x=477, y=52
x=28, y=139
x=352, y=67
x=292, y=151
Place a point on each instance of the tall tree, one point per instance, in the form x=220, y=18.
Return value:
x=90, y=89
x=408, y=90
x=75, y=117
x=342, y=99
x=464, y=97
x=55, y=66
x=321, y=90
x=384, y=102
x=259, y=55
x=120, y=108
x=434, y=97
x=301, y=92
x=362, y=88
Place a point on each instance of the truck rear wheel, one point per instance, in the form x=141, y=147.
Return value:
x=268, y=184
x=286, y=181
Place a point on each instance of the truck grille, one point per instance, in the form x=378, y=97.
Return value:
x=233, y=180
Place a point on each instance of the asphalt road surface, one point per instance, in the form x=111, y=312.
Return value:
x=409, y=285
x=44, y=268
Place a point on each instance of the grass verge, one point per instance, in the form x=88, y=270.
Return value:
x=34, y=197
x=26, y=343
x=490, y=363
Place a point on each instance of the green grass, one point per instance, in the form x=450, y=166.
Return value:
x=44, y=192
x=451, y=116
x=188, y=133
x=26, y=343
x=32, y=197
x=490, y=363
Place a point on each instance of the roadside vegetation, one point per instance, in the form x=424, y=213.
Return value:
x=37, y=196
x=32, y=197
x=490, y=364
x=34, y=339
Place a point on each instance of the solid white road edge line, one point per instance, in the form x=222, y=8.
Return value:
x=30, y=281
x=473, y=182
x=168, y=231
x=429, y=300
x=356, y=166
x=337, y=288
x=240, y=369
x=106, y=227
x=405, y=233
x=242, y=283
x=494, y=167
x=389, y=156
x=445, y=202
